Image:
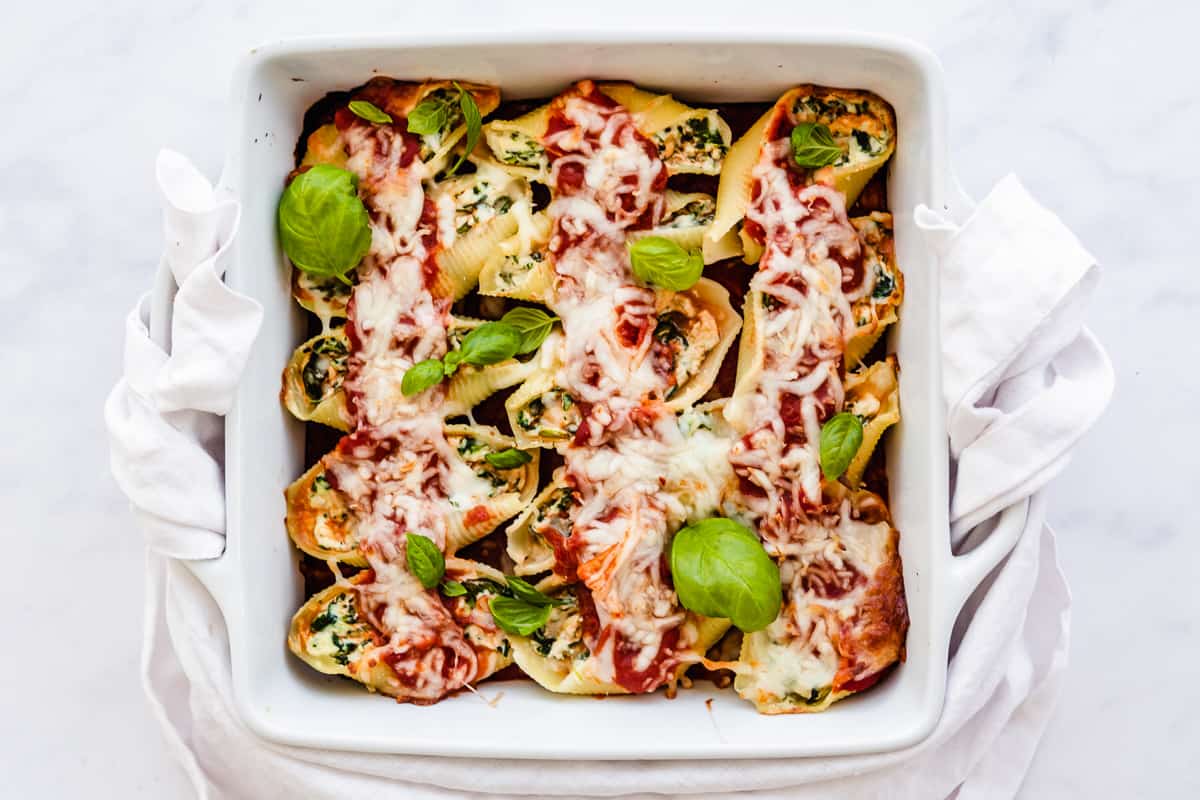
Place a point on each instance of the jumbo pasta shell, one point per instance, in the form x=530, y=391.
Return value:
x=319, y=519
x=689, y=140
x=504, y=492
x=530, y=553
x=520, y=267
x=872, y=393
x=711, y=299
x=516, y=144
x=541, y=413
x=875, y=312
x=686, y=218
x=476, y=213
x=737, y=182
x=312, y=380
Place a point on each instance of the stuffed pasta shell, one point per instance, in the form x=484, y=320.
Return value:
x=336, y=633
x=565, y=657
x=844, y=617
x=688, y=140
x=880, y=308
x=322, y=520
x=836, y=136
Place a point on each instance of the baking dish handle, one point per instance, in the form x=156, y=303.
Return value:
x=998, y=536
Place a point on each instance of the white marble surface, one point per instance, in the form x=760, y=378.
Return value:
x=1094, y=105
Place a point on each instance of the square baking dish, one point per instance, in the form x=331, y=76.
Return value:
x=256, y=582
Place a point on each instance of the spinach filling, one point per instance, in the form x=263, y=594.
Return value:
x=541, y=642
x=529, y=416
x=528, y=154
x=813, y=698
x=670, y=329
x=483, y=586
x=340, y=610
x=885, y=284
x=323, y=371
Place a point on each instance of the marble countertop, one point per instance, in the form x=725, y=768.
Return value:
x=1087, y=102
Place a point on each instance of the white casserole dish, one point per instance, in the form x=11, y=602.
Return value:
x=256, y=582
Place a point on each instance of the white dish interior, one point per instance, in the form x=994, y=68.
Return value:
x=256, y=582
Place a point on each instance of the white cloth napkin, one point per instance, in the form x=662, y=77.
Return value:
x=1023, y=381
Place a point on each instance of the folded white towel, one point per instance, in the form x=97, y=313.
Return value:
x=1023, y=381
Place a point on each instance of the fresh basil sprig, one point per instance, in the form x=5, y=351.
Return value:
x=436, y=113
x=474, y=120
x=369, y=111
x=323, y=225
x=658, y=261
x=841, y=436
x=533, y=323
x=517, y=616
x=430, y=116
x=421, y=376
x=508, y=459
x=813, y=145
x=720, y=569
x=452, y=588
x=525, y=611
x=490, y=343
x=424, y=559
x=525, y=591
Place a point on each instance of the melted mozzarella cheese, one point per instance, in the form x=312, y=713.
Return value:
x=397, y=469
x=802, y=323
x=639, y=475
x=826, y=572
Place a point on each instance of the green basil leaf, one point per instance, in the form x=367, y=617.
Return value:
x=508, y=459
x=369, y=111
x=424, y=559
x=524, y=590
x=451, y=361
x=813, y=145
x=430, y=116
x=490, y=343
x=517, y=616
x=533, y=323
x=421, y=376
x=661, y=262
x=452, y=588
x=323, y=225
x=474, y=121
x=720, y=569
x=841, y=437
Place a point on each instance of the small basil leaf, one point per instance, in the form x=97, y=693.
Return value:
x=323, y=225
x=813, y=145
x=720, y=569
x=841, y=437
x=517, y=616
x=524, y=590
x=424, y=559
x=369, y=111
x=490, y=343
x=508, y=459
x=451, y=361
x=533, y=323
x=474, y=121
x=430, y=116
x=452, y=588
x=421, y=376
x=661, y=262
